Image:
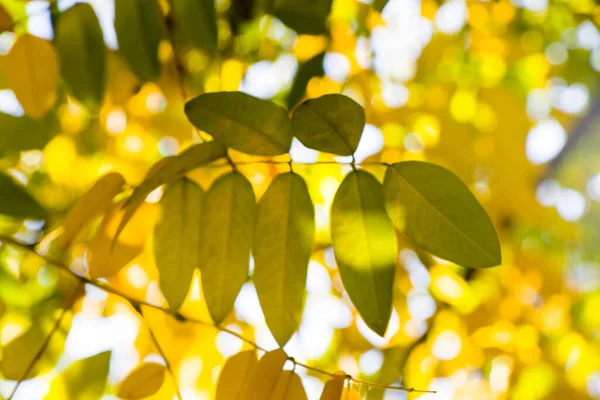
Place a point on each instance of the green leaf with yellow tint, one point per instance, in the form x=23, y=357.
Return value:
x=139, y=29
x=227, y=227
x=94, y=202
x=304, y=16
x=17, y=202
x=86, y=378
x=289, y=387
x=32, y=73
x=242, y=122
x=143, y=381
x=334, y=387
x=20, y=352
x=82, y=54
x=266, y=375
x=283, y=242
x=431, y=206
x=365, y=249
x=177, y=239
x=235, y=375
x=332, y=123
x=198, y=19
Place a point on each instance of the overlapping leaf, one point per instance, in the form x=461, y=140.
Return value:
x=289, y=387
x=334, y=387
x=364, y=245
x=266, y=375
x=227, y=229
x=242, y=122
x=438, y=212
x=282, y=246
x=235, y=375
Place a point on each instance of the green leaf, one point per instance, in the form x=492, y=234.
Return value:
x=283, y=242
x=143, y=381
x=332, y=123
x=138, y=25
x=227, y=226
x=379, y=5
x=266, y=375
x=235, y=375
x=304, y=16
x=168, y=170
x=242, y=122
x=306, y=71
x=198, y=19
x=364, y=245
x=438, y=212
x=86, y=379
x=17, y=202
x=25, y=133
x=177, y=239
x=18, y=354
x=80, y=46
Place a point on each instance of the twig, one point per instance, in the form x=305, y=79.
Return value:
x=136, y=303
x=69, y=303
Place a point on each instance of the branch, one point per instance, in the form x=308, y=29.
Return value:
x=180, y=317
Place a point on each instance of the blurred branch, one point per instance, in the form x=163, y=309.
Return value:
x=137, y=304
x=69, y=303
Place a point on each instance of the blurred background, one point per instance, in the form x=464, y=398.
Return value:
x=503, y=93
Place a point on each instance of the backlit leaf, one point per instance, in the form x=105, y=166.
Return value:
x=138, y=25
x=17, y=202
x=6, y=21
x=177, y=239
x=303, y=16
x=235, y=375
x=86, y=379
x=31, y=69
x=227, y=227
x=438, y=212
x=80, y=46
x=283, y=241
x=306, y=71
x=289, y=387
x=332, y=123
x=168, y=170
x=265, y=377
x=143, y=381
x=334, y=387
x=96, y=201
x=242, y=122
x=108, y=256
x=18, y=354
x=197, y=17
x=25, y=133
x=364, y=245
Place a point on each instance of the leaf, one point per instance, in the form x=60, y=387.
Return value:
x=334, y=387
x=177, y=239
x=18, y=354
x=80, y=46
x=438, y=212
x=227, y=226
x=265, y=377
x=283, y=242
x=86, y=379
x=364, y=245
x=332, y=123
x=168, y=170
x=31, y=69
x=25, y=133
x=96, y=201
x=17, y=202
x=138, y=25
x=108, y=256
x=379, y=5
x=304, y=16
x=143, y=381
x=6, y=21
x=199, y=21
x=306, y=71
x=242, y=122
x=289, y=387
x=235, y=375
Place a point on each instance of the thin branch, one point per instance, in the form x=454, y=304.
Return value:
x=136, y=303
x=69, y=303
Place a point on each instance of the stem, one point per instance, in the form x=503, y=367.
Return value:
x=178, y=316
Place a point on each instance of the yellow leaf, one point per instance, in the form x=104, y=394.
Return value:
x=235, y=376
x=289, y=387
x=32, y=73
x=265, y=377
x=106, y=258
x=334, y=387
x=6, y=21
x=143, y=381
x=95, y=202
